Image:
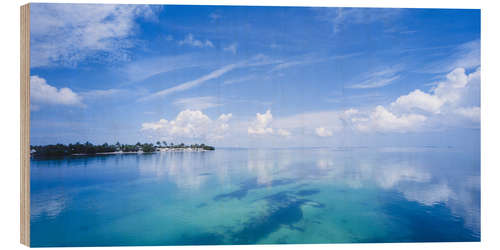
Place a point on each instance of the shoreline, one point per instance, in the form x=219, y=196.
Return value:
x=142, y=152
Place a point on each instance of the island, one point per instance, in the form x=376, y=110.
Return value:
x=57, y=150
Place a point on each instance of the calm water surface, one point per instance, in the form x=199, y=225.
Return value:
x=240, y=196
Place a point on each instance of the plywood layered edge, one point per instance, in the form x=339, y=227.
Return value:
x=25, y=124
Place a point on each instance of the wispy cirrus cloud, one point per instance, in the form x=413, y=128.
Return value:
x=98, y=93
x=146, y=68
x=308, y=59
x=255, y=61
x=193, y=83
x=240, y=79
x=197, y=103
x=67, y=34
x=466, y=55
x=342, y=18
x=378, y=79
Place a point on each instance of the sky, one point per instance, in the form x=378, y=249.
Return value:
x=255, y=76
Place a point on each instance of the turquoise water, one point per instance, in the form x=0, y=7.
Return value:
x=249, y=196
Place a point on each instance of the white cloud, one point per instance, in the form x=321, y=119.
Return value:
x=467, y=56
x=143, y=69
x=382, y=120
x=471, y=113
x=66, y=34
x=232, y=48
x=162, y=123
x=455, y=91
x=378, y=79
x=192, y=124
x=323, y=132
x=239, y=79
x=214, y=16
x=351, y=112
x=305, y=60
x=43, y=93
x=92, y=94
x=374, y=83
x=197, y=103
x=307, y=123
x=455, y=100
x=342, y=17
x=191, y=84
x=262, y=124
x=258, y=60
x=283, y=132
x=420, y=100
x=190, y=40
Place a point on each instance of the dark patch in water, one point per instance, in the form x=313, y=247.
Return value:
x=307, y=192
x=260, y=227
x=284, y=208
x=249, y=185
x=238, y=194
x=301, y=185
x=279, y=182
x=203, y=204
x=296, y=228
x=205, y=174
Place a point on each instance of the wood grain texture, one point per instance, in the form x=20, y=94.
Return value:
x=25, y=124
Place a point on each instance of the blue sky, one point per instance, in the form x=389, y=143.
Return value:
x=255, y=76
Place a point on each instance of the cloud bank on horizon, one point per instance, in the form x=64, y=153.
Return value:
x=249, y=77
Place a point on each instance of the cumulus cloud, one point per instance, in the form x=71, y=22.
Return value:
x=66, y=34
x=323, y=132
x=454, y=100
x=190, y=40
x=43, y=93
x=283, y=132
x=471, y=113
x=191, y=124
x=448, y=96
x=382, y=120
x=262, y=124
x=420, y=100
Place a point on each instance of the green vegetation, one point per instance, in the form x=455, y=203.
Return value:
x=88, y=148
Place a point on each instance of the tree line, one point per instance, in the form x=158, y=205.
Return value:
x=88, y=148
